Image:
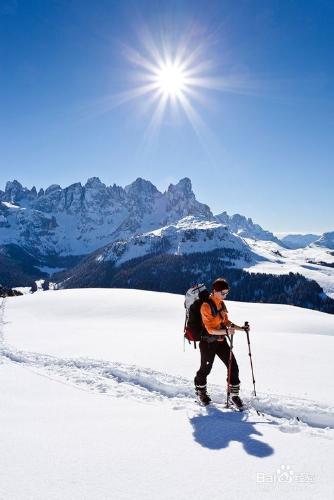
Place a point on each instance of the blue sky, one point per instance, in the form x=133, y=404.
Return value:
x=265, y=151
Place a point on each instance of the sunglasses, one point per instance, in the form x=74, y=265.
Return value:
x=224, y=292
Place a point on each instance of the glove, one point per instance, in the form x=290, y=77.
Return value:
x=246, y=327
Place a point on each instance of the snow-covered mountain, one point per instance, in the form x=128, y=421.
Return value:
x=326, y=240
x=111, y=225
x=294, y=240
x=197, y=235
x=188, y=235
x=79, y=219
x=245, y=227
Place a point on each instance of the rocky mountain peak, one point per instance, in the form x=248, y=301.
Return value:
x=181, y=201
x=13, y=186
x=74, y=186
x=141, y=187
x=95, y=183
x=245, y=227
x=15, y=192
x=52, y=189
x=183, y=186
x=223, y=218
x=79, y=218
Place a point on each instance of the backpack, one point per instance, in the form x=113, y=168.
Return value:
x=194, y=298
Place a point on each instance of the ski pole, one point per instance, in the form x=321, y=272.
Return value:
x=230, y=338
x=250, y=354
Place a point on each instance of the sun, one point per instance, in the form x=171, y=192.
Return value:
x=170, y=76
x=167, y=76
x=171, y=80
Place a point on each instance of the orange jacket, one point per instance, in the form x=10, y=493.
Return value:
x=214, y=322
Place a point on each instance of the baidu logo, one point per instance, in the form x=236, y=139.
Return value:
x=284, y=474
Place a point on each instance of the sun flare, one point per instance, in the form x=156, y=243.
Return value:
x=171, y=80
x=174, y=76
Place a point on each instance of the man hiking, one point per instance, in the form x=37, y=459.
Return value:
x=216, y=327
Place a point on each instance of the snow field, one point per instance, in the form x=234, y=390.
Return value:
x=119, y=437
x=145, y=329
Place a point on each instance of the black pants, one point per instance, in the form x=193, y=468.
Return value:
x=208, y=353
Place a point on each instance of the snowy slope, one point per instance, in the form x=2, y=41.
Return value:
x=199, y=235
x=121, y=437
x=308, y=261
x=326, y=240
x=297, y=240
x=188, y=235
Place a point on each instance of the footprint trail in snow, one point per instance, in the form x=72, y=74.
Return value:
x=120, y=380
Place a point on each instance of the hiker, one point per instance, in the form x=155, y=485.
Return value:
x=217, y=326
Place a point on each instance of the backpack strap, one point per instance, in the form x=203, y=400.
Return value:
x=215, y=311
x=213, y=307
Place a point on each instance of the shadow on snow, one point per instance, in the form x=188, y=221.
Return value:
x=216, y=429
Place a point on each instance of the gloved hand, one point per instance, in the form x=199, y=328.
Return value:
x=246, y=327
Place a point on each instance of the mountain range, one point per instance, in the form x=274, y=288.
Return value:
x=73, y=233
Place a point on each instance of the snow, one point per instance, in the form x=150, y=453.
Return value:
x=97, y=402
x=9, y=205
x=80, y=219
x=23, y=289
x=278, y=260
x=190, y=234
x=123, y=224
x=297, y=240
x=187, y=223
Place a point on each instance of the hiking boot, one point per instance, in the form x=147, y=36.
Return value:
x=237, y=402
x=202, y=396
